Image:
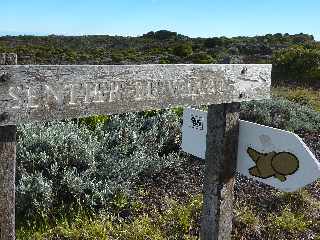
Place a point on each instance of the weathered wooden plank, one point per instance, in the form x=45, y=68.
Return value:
x=221, y=157
x=58, y=92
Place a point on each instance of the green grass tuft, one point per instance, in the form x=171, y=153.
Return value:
x=289, y=221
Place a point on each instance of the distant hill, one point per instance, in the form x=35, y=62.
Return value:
x=162, y=47
x=154, y=47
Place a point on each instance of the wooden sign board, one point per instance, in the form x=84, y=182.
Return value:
x=275, y=157
x=43, y=93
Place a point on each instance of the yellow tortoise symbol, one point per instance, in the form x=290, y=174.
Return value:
x=278, y=165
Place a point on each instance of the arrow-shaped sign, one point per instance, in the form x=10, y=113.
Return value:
x=275, y=157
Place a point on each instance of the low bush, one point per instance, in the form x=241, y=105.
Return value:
x=60, y=163
x=303, y=96
x=64, y=164
x=299, y=63
x=281, y=113
x=288, y=221
x=93, y=122
x=183, y=50
x=296, y=60
x=117, y=57
x=202, y=58
x=177, y=221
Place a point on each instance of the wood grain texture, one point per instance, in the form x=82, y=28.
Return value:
x=43, y=93
x=7, y=183
x=221, y=157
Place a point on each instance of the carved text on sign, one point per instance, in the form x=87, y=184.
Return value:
x=48, y=92
x=74, y=94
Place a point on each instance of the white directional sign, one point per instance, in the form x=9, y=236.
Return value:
x=194, y=131
x=272, y=156
x=275, y=157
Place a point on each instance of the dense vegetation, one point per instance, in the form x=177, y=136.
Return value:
x=125, y=177
x=294, y=57
x=61, y=163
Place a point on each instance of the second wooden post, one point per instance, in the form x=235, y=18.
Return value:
x=221, y=156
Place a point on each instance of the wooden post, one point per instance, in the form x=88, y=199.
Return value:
x=221, y=155
x=7, y=169
x=7, y=181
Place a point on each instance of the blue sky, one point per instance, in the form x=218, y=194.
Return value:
x=196, y=18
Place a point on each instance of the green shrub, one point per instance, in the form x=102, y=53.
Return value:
x=202, y=58
x=300, y=96
x=183, y=50
x=131, y=54
x=214, y=42
x=303, y=96
x=165, y=35
x=176, y=221
x=117, y=57
x=61, y=163
x=55, y=164
x=179, y=219
x=298, y=62
x=178, y=111
x=164, y=61
x=246, y=216
x=156, y=50
x=141, y=228
x=281, y=113
x=289, y=221
x=92, y=122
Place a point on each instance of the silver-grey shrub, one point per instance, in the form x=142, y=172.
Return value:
x=281, y=113
x=62, y=163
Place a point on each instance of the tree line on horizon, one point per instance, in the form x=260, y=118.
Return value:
x=294, y=57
